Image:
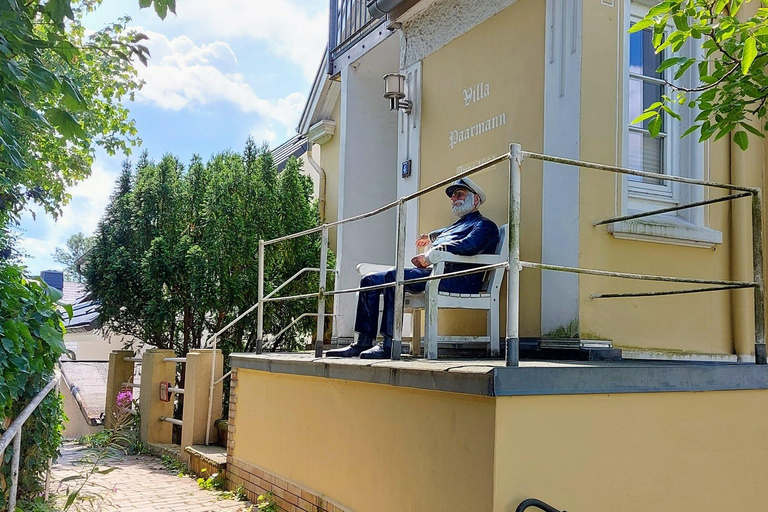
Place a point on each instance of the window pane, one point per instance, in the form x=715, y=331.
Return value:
x=643, y=59
x=646, y=154
x=641, y=96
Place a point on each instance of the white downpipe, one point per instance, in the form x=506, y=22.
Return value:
x=321, y=187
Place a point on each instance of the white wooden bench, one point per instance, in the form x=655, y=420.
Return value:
x=432, y=300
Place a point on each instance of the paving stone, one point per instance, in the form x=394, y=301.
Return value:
x=140, y=484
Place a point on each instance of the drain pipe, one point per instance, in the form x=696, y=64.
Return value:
x=380, y=8
x=321, y=187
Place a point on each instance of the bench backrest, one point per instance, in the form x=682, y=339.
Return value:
x=493, y=278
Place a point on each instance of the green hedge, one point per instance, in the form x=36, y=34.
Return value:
x=31, y=341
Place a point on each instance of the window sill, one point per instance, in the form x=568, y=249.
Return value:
x=666, y=229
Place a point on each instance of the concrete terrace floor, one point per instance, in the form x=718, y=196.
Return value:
x=139, y=484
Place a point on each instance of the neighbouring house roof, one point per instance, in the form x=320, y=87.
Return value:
x=85, y=310
x=88, y=383
x=295, y=146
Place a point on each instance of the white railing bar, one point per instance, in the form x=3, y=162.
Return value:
x=178, y=391
x=641, y=277
x=10, y=432
x=223, y=377
x=669, y=292
x=171, y=420
x=645, y=174
x=294, y=276
x=13, y=433
x=174, y=359
x=320, y=297
x=132, y=359
x=393, y=204
x=672, y=209
x=130, y=385
x=397, y=328
x=406, y=282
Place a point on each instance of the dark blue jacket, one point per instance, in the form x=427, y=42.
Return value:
x=470, y=235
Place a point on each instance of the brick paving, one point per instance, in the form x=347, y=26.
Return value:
x=140, y=484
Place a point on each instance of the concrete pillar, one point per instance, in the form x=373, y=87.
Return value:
x=119, y=371
x=154, y=371
x=196, y=389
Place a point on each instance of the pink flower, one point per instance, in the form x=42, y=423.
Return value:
x=124, y=399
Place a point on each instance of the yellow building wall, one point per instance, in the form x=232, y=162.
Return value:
x=696, y=322
x=633, y=452
x=491, y=53
x=368, y=447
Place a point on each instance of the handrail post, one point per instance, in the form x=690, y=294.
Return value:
x=332, y=20
x=513, y=279
x=15, y=470
x=321, y=295
x=397, y=334
x=757, y=263
x=260, y=313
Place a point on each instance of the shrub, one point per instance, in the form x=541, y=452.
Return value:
x=31, y=341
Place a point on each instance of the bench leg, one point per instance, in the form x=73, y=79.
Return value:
x=430, y=334
x=493, y=328
x=416, y=330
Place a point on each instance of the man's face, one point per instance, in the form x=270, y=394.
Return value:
x=462, y=202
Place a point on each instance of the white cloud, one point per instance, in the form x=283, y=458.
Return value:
x=184, y=75
x=293, y=29
x=81, y=214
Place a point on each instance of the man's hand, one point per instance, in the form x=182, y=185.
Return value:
x=423, y=241
x=420, y=261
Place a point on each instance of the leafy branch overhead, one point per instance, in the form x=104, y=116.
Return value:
x=63, y=95
x=731, y=68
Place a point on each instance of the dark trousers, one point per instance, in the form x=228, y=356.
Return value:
x=368, y=301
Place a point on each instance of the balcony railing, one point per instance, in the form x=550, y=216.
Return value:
x=350, y=22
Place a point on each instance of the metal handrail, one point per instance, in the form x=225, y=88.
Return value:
x=13, y=433
x=533, y=502
x=515, y=157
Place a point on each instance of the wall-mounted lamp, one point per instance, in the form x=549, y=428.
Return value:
x=394, y=91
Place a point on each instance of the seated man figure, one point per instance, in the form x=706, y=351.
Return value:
x=470, y=235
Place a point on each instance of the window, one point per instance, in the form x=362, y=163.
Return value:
x=667, y=154
x=644, y=87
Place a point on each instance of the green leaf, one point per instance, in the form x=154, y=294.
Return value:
x=668, y=63
x=688, y=63
x=64, y=123
x=641, y=25
x=749, y=54
x=751, y=129
x=690, y=130
x=70, y=311
x=741, y=139
x=720, y=5
x=654, y=127
x=645, y=115
x=58, y=10
x=70, y=499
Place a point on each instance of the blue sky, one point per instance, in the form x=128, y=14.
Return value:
x=219, y=72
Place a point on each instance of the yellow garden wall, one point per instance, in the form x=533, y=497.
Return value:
x=491, y=53
x=376, y=447
x=368, y=447
x=633, y=452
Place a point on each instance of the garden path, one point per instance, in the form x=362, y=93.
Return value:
x=140, y=484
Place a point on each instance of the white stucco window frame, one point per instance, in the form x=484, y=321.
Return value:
x=684, y=157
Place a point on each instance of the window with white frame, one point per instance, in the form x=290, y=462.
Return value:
x=645, y=87
x=666, y=154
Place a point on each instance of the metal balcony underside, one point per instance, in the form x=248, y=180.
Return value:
x=352, y=32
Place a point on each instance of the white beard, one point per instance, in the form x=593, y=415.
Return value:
x=463, y=207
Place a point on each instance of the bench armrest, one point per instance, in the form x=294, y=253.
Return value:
x=367, y=268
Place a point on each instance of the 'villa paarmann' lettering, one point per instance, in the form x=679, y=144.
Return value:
x=476, y=93
x=457, y=136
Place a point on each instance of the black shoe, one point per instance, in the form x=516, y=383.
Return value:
x=381, y=351
x=355, y=349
